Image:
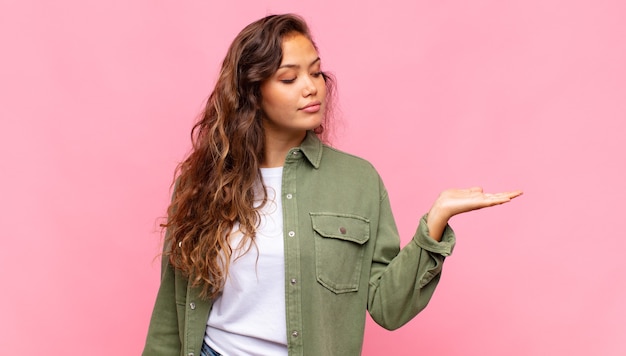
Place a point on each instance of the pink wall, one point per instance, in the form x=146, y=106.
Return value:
x=96, y=103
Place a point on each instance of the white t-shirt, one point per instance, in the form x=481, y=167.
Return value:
x=248, y=317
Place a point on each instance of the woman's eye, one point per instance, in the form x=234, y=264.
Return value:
x=288, y=81
x=317, y=74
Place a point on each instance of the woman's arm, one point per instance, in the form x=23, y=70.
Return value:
x=163, y=333
x=402, y=283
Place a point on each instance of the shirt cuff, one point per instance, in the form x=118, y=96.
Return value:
x=423, y=239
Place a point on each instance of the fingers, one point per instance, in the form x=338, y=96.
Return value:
x=495, y=199
x=516, y=194
x=513, y=194
x=497, y=196
x=476, y=190
x=500, y=198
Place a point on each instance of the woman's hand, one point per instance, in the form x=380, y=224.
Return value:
x=457, y=201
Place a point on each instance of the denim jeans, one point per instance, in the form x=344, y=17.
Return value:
x=208, y=351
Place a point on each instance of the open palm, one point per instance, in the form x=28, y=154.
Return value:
x=457, y=201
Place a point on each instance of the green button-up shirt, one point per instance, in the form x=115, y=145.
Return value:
x=342, y=257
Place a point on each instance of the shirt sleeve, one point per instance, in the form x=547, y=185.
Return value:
x=403, y=281
x=163, y=333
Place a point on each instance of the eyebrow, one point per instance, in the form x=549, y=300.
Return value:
x=297, y=65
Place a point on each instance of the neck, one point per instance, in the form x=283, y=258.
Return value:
x=277, y=147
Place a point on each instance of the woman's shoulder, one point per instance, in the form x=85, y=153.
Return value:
x=333, y=156
x=332, y=160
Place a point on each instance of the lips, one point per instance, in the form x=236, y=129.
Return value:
x=312, y=107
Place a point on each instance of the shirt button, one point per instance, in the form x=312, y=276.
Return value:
x=293, y=281
x=291, y=234
x=192, y=305
x=295, y=333
x=342, y=230
x=190, y=354
x=289, y=196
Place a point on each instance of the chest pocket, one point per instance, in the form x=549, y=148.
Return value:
x=339, y=249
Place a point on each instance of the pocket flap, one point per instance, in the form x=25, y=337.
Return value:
x=341, y=226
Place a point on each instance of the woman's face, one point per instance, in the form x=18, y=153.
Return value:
x=294, y=98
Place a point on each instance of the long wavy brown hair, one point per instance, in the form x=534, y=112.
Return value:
x=215, y=185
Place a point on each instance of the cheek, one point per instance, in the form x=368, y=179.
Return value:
x=322, y=90
x=321, y=93
x=275, y=105
x=277, y=97
x=268, y=95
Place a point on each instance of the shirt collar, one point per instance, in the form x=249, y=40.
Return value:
x=311, y=147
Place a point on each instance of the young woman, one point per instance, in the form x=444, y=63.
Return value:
x=276, y=243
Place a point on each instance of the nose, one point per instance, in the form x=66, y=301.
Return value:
x=309, y=88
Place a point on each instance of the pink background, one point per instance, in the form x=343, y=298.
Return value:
x=97, y=100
